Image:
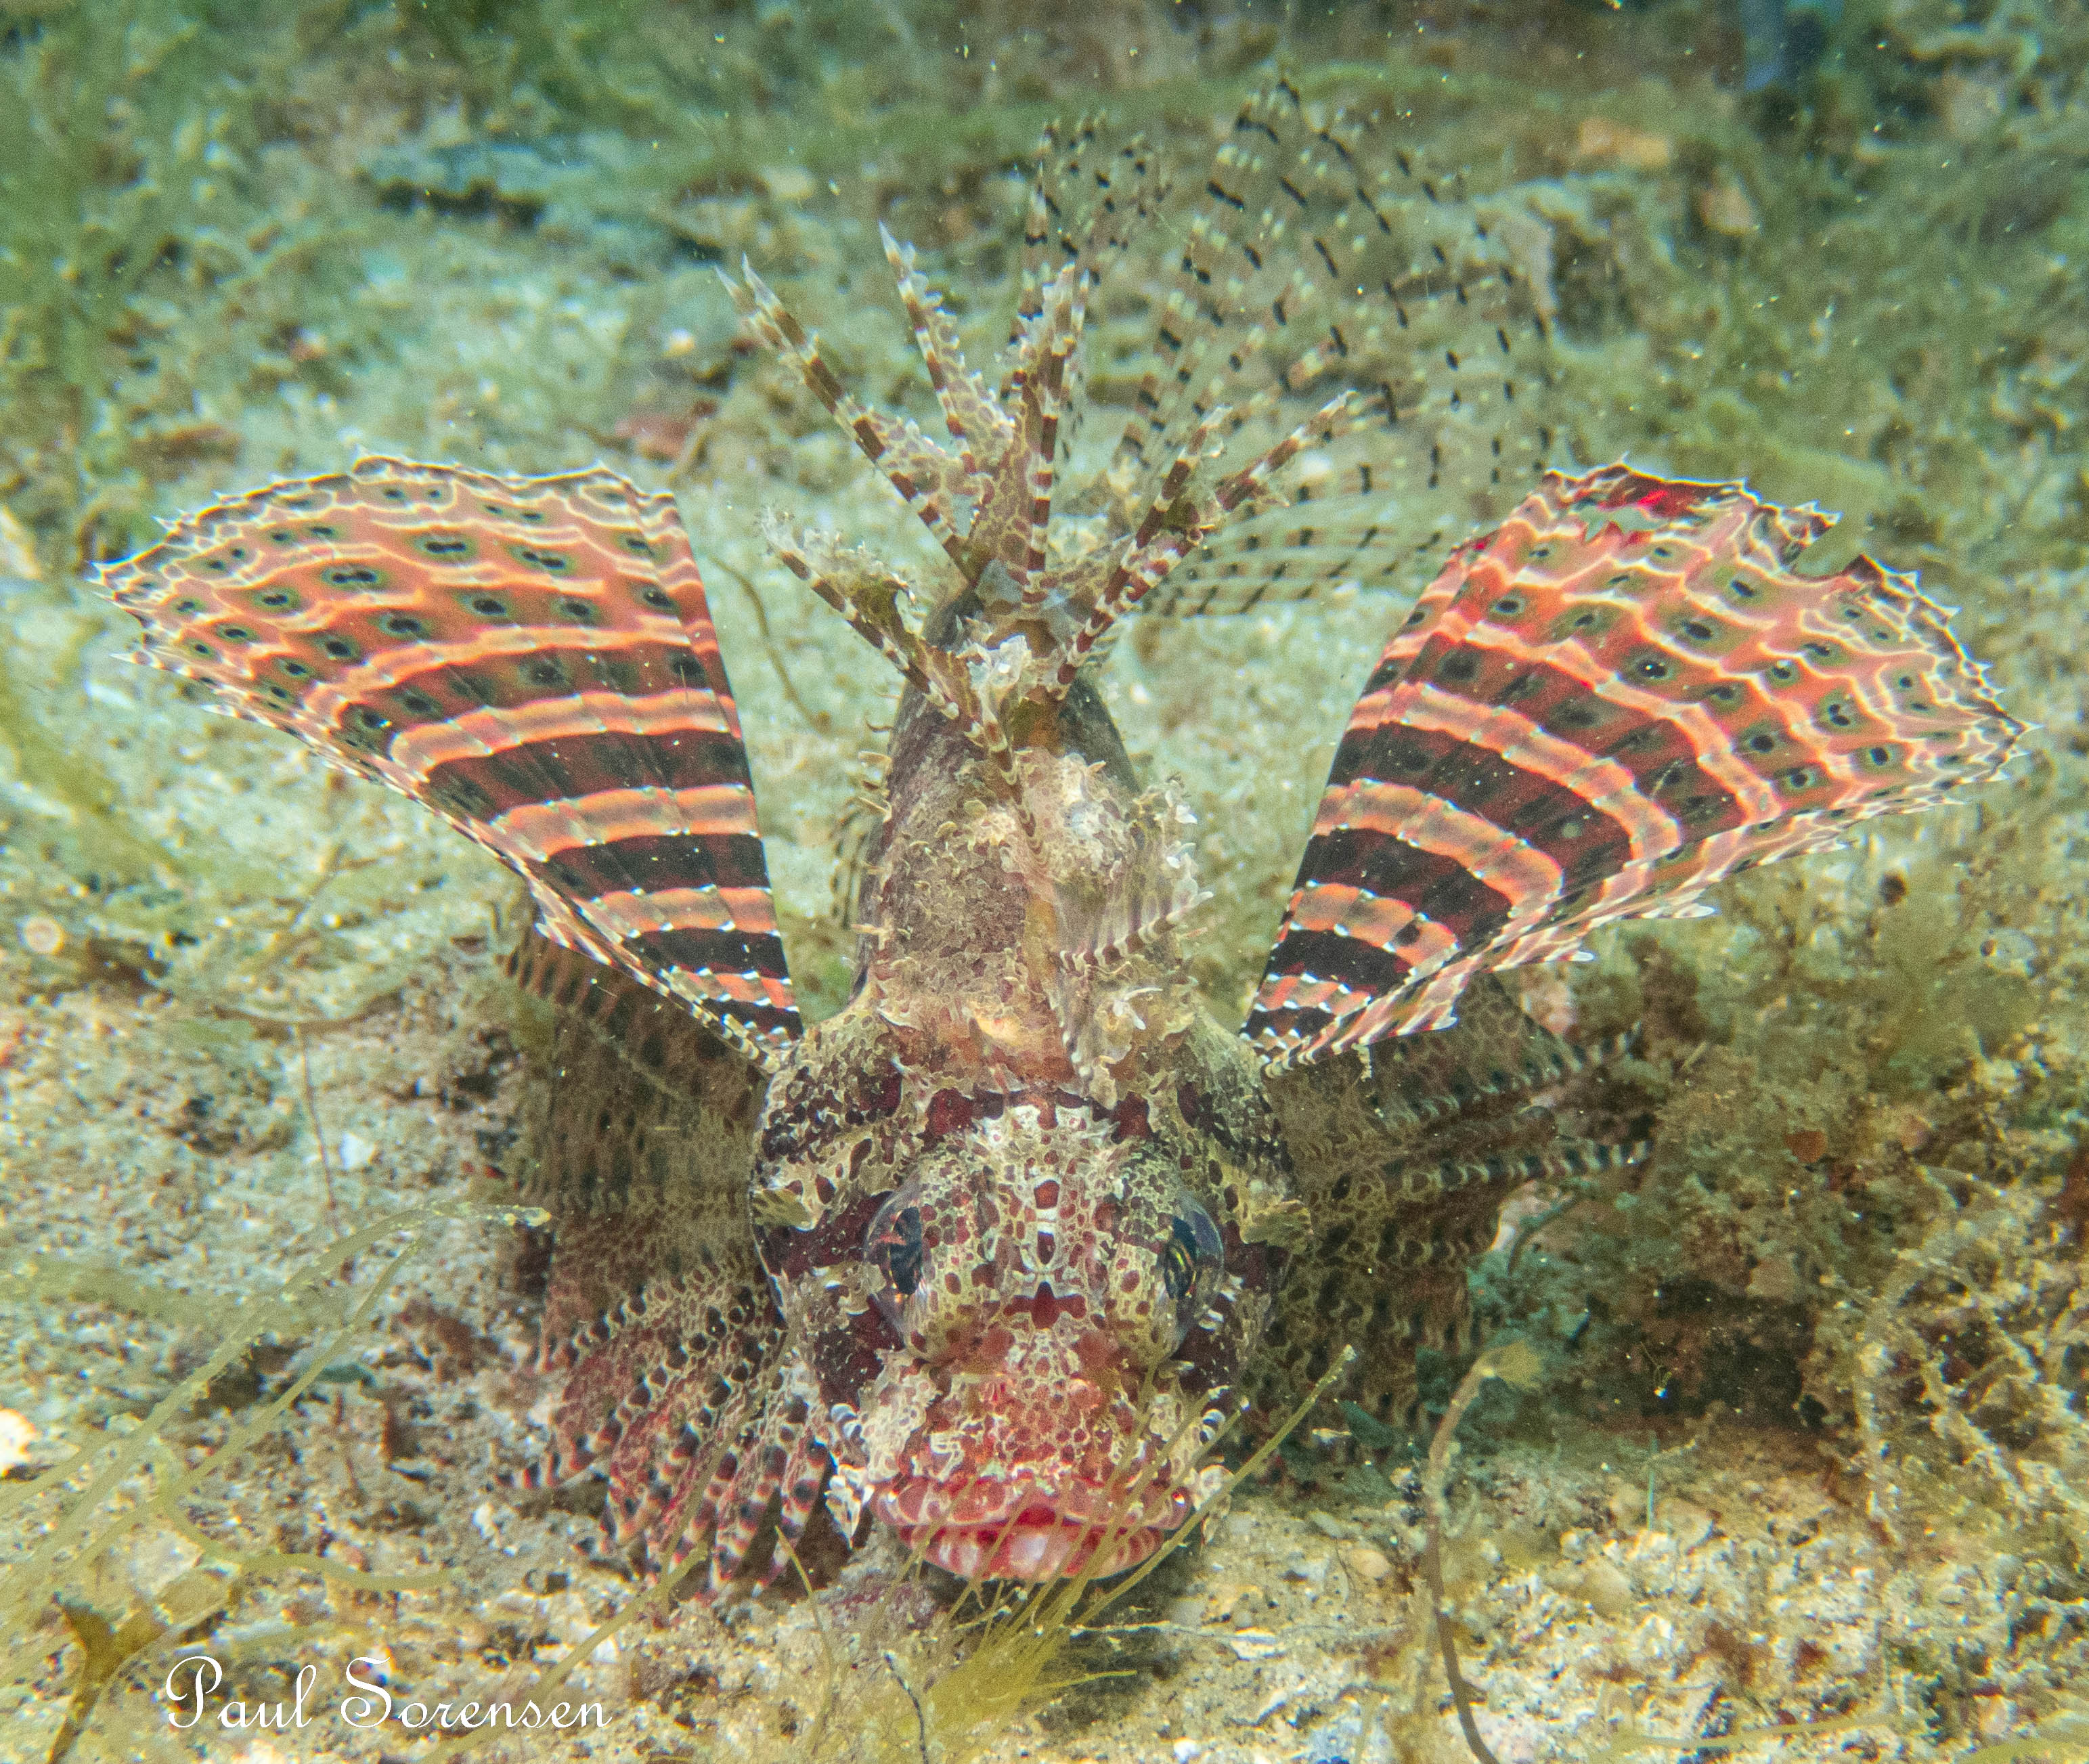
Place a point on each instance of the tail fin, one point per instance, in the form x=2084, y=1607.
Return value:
x=532, y=659
x=1596, y=712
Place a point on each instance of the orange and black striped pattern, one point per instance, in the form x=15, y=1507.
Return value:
x=530, y=657
x=1620, y=696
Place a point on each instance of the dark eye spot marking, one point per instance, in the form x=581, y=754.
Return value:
x=365, y=717
x=1741, y=590
x=282, y=536
x=638, y=545
x=1582, y=621
x=278, y=694
x=278, y=600
x=658, y=598
x=1821, y=652
x=1799, y=778
x=1508, y=606
x=294, y=668
x=1698, y=631
x=1760, y=744
x=352, y=575
x=235, y=633
x=579, y=612
x=1837, y=716
x=203, y=651
x=492, y=605
x=392, y=493
x=402, y=624
x=1784, y=672
x=1878, y=756
x=542, y=671
x=555, y=562
x=445, y=547
x=1652, y=668
x=419, y=702
x=188, y=607
x=1726, y=693
x=321, y=530
x=340, y=649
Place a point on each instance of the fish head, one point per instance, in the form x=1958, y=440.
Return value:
x=1026, y=1334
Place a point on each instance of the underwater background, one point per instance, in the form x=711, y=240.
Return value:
x=1804, y=1446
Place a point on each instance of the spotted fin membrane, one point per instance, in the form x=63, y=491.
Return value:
x=1620, y=696
x=532, y=659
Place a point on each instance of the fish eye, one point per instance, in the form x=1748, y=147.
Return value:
x=1193, y=1253
x=893, y=1245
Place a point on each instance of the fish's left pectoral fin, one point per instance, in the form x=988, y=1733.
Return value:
x=1621, y=696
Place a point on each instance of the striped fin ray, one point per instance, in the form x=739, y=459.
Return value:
x=929, y=480
x=1498, y=1052
x=1619, y=697
x=1564, y=1159
x=531, y=658
x=1088, y=203
x=1146, y=557
x=1336, y=527
x=1014, y=519
x=1322, y=255
x=969, y=409
x=1048, y=244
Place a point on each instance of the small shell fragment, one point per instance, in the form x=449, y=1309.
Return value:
x=16, y=1432
x=41, y=935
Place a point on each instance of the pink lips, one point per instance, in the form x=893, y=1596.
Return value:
x=1026, y=1550
x=1002, y=1532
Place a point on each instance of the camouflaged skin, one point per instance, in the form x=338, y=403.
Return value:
x=1069, y=1251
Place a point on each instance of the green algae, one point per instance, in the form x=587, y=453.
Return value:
x=83, y=1510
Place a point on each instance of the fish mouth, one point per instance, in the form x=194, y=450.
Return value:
x=1002, y=1532
x=1040, y=1548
